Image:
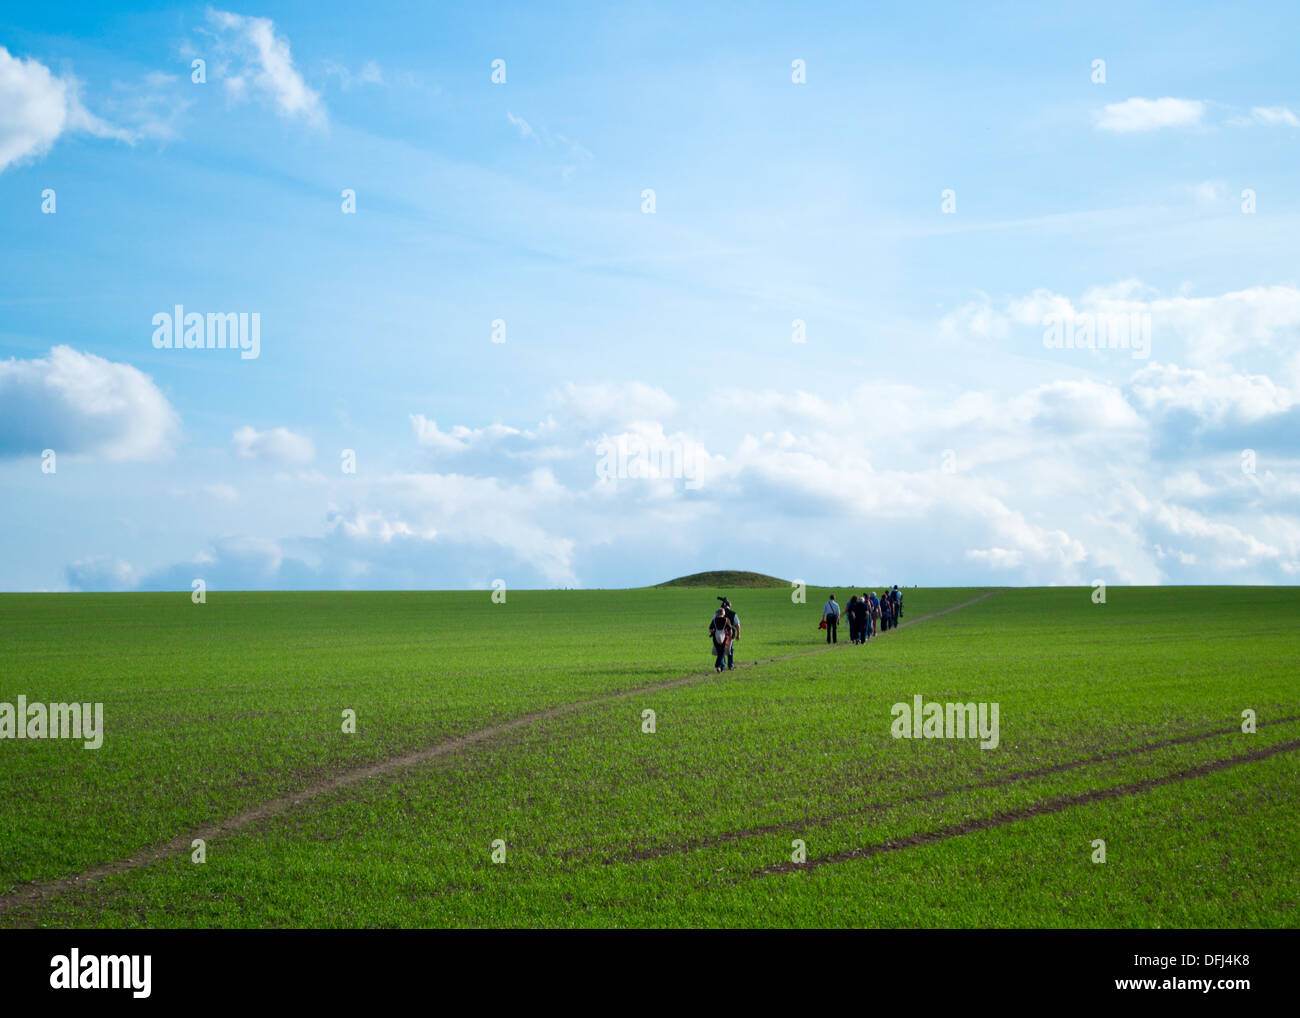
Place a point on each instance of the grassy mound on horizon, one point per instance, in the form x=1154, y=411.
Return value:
x=725, y=578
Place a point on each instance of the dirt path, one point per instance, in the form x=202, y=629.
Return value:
x=1055, y=805
x=44, y=889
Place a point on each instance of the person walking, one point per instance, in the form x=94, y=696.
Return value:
x=831, y=616
x=734, y=619
x=853, y=610
x=720, y=636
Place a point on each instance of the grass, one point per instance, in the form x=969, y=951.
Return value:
x=212, y=709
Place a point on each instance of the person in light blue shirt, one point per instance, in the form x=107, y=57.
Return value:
x=831, y=616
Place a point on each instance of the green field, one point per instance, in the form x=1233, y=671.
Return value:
x=523, y=722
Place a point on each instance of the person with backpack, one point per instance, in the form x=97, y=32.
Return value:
x=851, y=610
x=734, y=619
x=831, y=616
x=721, y=634
x=866, y=617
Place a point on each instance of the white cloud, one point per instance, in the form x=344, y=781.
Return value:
x=369, y=74
x=1053, y=483
x=101, y=572
x=1068, y=407
x=1138, y=114
x=1212, y=397
x=78, y=403
x=997, y=558
x=1229, y=541
x=1262, y=320
x=455, y=509
x=1219, y=327
x=661, y=463
x=278, y=445
x=525, y=129
x=36, y=107
x=374, y=525
x=1183, y=557
x=1274, y=115
x=266, y=66
x=460, y=438
x=1185, y=485
x=152, y=108
x=1210, y=192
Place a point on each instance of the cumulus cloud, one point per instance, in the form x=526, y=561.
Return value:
x=262, y=65
x=462, y=509
x=1054, y=483
x=37, y=107
x=1262, y=321
x=78, y=403
x=1213, y=398
x=1138, y=114
x=460, y=438
x=1072, y=407
x=277, y=445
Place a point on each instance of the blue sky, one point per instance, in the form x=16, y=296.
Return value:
x=945, y=186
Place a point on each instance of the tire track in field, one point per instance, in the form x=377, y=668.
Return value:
x=1058, y=804
x=42, y=890
x=780, y=826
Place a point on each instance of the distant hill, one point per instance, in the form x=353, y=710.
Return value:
x=726, y=580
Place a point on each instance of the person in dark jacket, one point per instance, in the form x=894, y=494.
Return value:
x=734, y=619
x=851, y=610
x=721, y=634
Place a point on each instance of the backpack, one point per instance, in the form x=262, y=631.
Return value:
x=735, y=622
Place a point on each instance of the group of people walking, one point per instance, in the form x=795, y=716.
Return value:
x=867, y=615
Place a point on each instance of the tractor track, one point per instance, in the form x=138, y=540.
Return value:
x=785, y=826
x=1057, y=804
x=43, y=890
